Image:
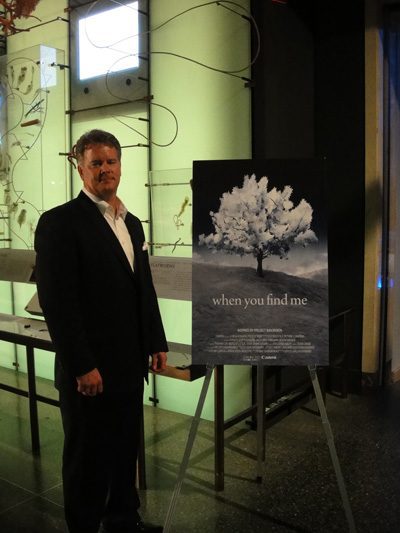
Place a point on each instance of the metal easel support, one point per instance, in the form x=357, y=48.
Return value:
x=188, y=449
x=332, y=449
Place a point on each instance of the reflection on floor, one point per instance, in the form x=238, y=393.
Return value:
x=298, y=492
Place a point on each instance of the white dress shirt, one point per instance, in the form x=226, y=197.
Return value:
x=116, y=221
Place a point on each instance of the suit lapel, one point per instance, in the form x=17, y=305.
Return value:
x=102, y=226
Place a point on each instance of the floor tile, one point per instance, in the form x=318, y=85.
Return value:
x=37, y=515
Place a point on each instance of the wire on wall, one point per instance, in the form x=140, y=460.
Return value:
x=232, y=6
x=246, y=15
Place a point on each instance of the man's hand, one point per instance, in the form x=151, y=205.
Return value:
x=159, y=361
x=91, y=383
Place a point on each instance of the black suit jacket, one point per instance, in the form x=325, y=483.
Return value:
x=99, y=312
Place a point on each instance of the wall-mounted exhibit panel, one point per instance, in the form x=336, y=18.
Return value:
x=33, y=174
x=32, y=121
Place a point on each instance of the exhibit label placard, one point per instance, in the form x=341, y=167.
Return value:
x=172, y=277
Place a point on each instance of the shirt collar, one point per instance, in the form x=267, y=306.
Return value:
x=104, y=207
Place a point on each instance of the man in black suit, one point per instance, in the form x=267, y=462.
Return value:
x=97, y=296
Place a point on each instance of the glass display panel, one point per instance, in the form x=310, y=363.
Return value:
x=171, y=236
x=171, y=212
x=34, y=172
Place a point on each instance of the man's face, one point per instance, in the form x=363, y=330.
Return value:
x=100, y=170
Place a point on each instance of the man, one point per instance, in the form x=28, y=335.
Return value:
x=97, y=296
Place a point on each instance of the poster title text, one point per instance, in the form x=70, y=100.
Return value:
x=270, y=299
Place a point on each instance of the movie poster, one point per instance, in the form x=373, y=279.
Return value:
x=260, y=262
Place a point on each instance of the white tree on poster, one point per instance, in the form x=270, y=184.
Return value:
x=253, y=220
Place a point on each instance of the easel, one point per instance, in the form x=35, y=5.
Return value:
x=261, y=442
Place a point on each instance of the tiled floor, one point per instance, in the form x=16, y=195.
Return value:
x=298, y=492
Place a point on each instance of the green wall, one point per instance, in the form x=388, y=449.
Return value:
x=212, y=111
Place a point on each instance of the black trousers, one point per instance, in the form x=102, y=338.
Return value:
x=99, y=458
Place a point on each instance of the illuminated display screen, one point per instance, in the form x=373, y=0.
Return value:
x=109, y=41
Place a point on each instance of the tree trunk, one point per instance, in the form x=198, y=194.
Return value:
x=259, y=265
